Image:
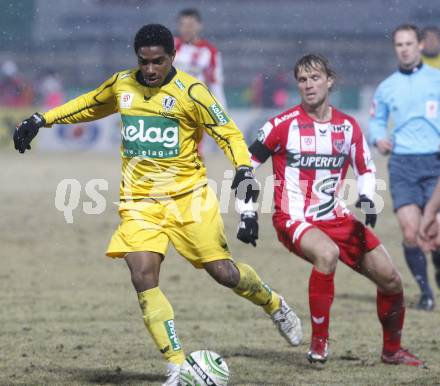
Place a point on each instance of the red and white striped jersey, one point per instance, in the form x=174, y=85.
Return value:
x=203, y=61
x=310, y=161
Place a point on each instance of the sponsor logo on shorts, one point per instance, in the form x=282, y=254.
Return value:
x=171, y=331
x=151, y=137
x=315, y=161
x=219, y=115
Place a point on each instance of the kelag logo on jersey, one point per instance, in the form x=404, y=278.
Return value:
x=315, y=161
x=151, y=137
x=219, y=116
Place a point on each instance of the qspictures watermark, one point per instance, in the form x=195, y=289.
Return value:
x=69, y=195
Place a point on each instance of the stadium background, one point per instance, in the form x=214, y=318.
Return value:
x=69, y=317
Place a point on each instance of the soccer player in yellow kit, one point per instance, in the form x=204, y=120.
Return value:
x=164, y=195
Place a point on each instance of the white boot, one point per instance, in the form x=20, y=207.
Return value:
x=173, y=374
x=288, y=323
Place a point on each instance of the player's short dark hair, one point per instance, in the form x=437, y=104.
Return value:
x=190, y=12
x=314, y=62
x=154, y=35
x=430, y=28
x=408, y=27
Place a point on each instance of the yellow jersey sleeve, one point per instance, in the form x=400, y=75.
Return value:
x=93, y=105
x=209, y=114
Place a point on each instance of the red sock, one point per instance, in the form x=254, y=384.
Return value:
x=321, y=293
x=391, y=313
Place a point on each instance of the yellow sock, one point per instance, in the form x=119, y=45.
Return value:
x=251, y=287
x=159, y=319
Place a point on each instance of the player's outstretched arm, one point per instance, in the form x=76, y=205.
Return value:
x=94, y=105
x=209, y=114
x=91, y=106
x=364, y=170
x=260, y=151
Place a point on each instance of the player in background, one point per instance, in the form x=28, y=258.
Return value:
x=411, y=98
x=312, y=146
x=431, y=46
x=197, y=56
x=15, y=89
x=164, y=195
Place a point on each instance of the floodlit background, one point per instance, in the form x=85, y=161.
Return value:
x=70, y=317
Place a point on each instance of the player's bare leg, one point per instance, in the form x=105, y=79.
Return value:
x=156, y=310
x=323, y=253
x=409, y=217
x=379, y=268
x=245, y=282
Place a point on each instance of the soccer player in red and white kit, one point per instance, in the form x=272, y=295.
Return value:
x=197, y=56
x=312, y=145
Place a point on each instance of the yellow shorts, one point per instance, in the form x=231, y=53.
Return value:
x=191, y=222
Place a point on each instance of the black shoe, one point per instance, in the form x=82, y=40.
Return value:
x=426, y=303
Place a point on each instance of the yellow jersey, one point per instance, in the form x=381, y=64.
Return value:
x=160, y=130
x=433, y=61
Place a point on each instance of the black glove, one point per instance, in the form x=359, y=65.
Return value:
x=245, y=185
x=26, y=131
x=248, y=228
x=367, y=207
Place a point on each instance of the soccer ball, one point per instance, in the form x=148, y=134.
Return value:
x=204, y=368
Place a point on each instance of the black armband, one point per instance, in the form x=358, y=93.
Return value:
x=260, y=151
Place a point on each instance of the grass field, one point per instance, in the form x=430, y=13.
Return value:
x=69, y=316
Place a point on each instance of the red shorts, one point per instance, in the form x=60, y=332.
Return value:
x=352, y=237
